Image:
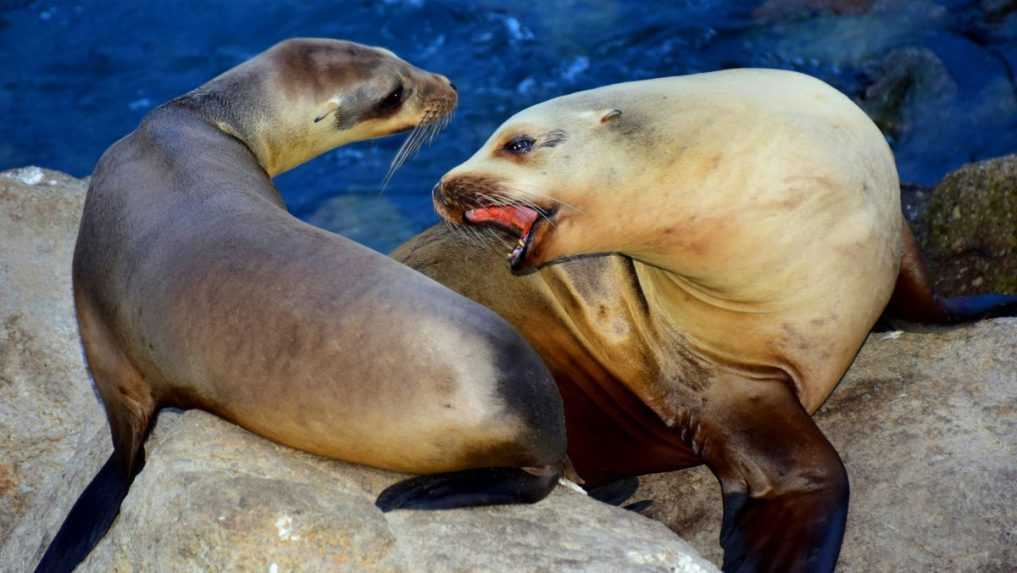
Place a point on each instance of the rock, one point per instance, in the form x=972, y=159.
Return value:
x=214, y=497
x=927, y=426
x=971, y=229
x=47, y=410
x=905, y=85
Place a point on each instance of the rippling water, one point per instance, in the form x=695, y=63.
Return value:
x=937, y=76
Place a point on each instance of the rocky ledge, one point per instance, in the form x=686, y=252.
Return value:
x=214, y=497
x=926, y=423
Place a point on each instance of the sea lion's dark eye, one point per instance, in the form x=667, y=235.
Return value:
x=520, y=145
x=392, y=100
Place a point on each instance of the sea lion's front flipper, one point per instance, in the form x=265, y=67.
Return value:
x=468, y=488
x=617, y=492
x=785, y=488
x=915, y=301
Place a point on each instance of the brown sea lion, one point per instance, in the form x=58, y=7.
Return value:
x=755, y=234
x=194, y=287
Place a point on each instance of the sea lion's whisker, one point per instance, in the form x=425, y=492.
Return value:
x=401, y=156
x=432, y=122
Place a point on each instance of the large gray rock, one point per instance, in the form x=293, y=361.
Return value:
x=927, y=426
x=970, y=228
x=47, y=410
x=214, y=497
x=926, y=423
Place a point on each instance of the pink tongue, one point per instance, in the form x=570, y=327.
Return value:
x=513, y=217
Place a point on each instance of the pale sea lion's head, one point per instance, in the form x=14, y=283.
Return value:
x=544, y=175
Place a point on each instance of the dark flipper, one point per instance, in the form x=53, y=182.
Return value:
x=639, y=506
x=490, y=486
x=914, y=301
x=91, y=516
x=785, y=488
x=616, y=492
x=129, y=410
x=980, y=306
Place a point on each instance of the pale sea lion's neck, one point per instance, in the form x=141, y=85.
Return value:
x=707, y=319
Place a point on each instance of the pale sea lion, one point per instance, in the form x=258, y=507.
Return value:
x=195, y=288
x=755, y=227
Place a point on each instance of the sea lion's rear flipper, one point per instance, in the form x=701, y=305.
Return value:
x=90, y=518
x=467, y=488
x=914, y=300
x=785, y=488
x=129, y=409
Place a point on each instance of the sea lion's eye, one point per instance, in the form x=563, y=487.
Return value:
x=520, y=145
x=393, y=99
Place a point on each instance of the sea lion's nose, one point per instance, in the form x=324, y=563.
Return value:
x=447, y=81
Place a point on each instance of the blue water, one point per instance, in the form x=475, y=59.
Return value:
x=77, y=76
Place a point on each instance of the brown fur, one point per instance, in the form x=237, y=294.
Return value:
x=195, y=288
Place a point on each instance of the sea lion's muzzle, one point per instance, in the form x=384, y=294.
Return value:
x=484, y=202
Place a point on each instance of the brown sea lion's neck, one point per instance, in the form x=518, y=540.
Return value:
x=236, y=104
x=276, y=122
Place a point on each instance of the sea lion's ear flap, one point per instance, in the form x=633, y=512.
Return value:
x=610, y=115
x=330, y=107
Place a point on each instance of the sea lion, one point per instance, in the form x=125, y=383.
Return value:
x=753, y=231
x=194, y=287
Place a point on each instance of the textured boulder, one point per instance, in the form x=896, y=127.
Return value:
x=906, y=84
x=927, y=426
x=47, y=410
x=214, y=497
x=971, y=228
x=926, y=423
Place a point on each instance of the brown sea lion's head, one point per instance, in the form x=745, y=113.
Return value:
x=305, y=96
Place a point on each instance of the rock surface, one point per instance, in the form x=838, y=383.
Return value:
x=927, y=426
x=214, y=497
x=47, y=410
x=926, y=423
x=971, y=228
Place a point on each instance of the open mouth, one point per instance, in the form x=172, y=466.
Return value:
x=517, y=220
